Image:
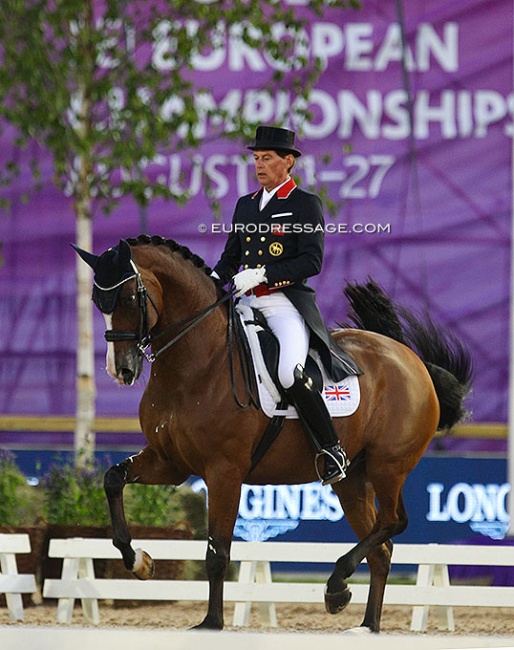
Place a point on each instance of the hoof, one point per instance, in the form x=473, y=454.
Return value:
x=209, y=624
x=336, y=602
x=358, y=631
x=144, y=566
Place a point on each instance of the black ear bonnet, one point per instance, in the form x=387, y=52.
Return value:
x=112, y=269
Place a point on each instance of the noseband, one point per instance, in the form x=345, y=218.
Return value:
x=142, y=335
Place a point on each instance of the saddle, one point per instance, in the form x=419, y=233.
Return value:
x=342, y=398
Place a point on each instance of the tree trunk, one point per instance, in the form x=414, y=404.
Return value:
x=84, y=441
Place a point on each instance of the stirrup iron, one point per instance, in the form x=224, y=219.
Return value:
x=327, y=451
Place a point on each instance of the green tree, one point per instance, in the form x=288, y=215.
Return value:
x=80, y=78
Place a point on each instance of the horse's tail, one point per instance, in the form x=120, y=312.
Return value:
x=446, y=359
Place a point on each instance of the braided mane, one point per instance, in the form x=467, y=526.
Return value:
x=173, y=246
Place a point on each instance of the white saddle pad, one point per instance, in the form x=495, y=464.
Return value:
x=341, y=399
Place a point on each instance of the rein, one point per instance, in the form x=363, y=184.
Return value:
x=190, y=321
x=143, y=336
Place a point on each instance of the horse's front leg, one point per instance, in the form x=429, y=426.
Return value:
x=224, y=495
x=145, y=468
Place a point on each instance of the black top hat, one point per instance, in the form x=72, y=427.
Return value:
x=275, y=139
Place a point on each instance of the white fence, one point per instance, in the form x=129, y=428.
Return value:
x=255, y=583
x=13, y=584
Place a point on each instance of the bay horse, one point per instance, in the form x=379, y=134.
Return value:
x=155, y=293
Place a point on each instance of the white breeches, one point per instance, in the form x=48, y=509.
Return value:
x=290, y=329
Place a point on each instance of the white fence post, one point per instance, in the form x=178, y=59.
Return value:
x=432, y=575
x=12, y=584
x=250, y=572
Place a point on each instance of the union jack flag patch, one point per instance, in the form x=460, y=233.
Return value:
x=337, y=392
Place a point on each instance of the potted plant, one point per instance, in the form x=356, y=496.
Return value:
x=74, y=497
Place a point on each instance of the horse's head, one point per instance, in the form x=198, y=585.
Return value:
x=130, y=311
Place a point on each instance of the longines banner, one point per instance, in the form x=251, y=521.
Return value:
x=447, y=500
x=415, y=157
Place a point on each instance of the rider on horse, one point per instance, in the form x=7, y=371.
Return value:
x=277, y=236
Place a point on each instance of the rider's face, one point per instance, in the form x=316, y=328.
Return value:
x=271, y=169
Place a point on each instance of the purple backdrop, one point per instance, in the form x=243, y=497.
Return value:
x=436, y=207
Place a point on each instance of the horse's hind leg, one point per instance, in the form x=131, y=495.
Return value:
x=358, y=500
x=375, y=532
x=379, y=563
x=131, y=470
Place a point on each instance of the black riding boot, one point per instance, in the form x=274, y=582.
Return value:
x=317, y=423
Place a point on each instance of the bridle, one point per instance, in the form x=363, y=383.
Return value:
x=142, y=335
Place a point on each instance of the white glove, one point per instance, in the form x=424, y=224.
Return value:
x=248, y=279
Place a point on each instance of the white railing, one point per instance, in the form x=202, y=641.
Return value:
x=255, y=581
